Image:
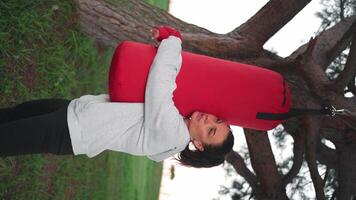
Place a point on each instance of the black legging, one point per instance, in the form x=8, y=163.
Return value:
x=34, y=127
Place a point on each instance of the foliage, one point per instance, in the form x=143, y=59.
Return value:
x=301, y=186
x=335, y=11
x=332, y=13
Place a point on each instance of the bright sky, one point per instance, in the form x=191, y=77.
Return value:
x=222, y=16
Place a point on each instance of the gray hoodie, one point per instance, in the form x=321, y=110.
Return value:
x=154, y=129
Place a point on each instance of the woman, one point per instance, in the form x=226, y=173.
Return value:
x=91, y=124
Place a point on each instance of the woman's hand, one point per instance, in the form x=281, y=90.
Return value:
x=160, y=33
x=155, y=35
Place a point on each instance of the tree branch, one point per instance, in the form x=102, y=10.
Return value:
x=346, y=173
x=312, y=73
x=342, y=9
x=217, y=45
x=268, y=21
x=264, y=164
x=311, y=141
x=327, y=171
x=332, y=134
x=110, y=24
x=326, y=155
x=351, y=87
x=331, y=42
x=317, y=80
x=298, y=152
x=239, y=165
x=350, y=136
x=349, y=71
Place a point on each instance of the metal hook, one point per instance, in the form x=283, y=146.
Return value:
x=334, y=111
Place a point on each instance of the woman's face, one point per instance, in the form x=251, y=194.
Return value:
x=207, y=129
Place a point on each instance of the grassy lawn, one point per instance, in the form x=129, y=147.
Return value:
x=43, y=55
x=163, y=4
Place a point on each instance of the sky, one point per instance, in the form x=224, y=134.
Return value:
x=222, y=16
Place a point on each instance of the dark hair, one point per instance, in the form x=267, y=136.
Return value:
x=210, y=157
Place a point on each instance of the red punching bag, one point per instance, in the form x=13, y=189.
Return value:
x=238, y=93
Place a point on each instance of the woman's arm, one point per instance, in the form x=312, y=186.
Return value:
x=161, y=79
x=162, y=119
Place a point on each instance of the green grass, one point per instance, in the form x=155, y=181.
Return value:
x=163, y=4
x=111, y=175
x=44, y=55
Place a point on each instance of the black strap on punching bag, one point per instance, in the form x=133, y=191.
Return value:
x=293, y=112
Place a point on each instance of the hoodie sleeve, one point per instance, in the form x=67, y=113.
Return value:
x=161, y=118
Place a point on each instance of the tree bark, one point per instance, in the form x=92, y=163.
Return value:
x=132, y=20
x=326, y=155
x=349, y=71
x=239, y=165
x=312, y=130
x=298, y=152
x=264, y=164
x=268, y=21
x=346, y=169
x=330, y=43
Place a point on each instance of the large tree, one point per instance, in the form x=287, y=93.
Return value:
x=112, y=21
